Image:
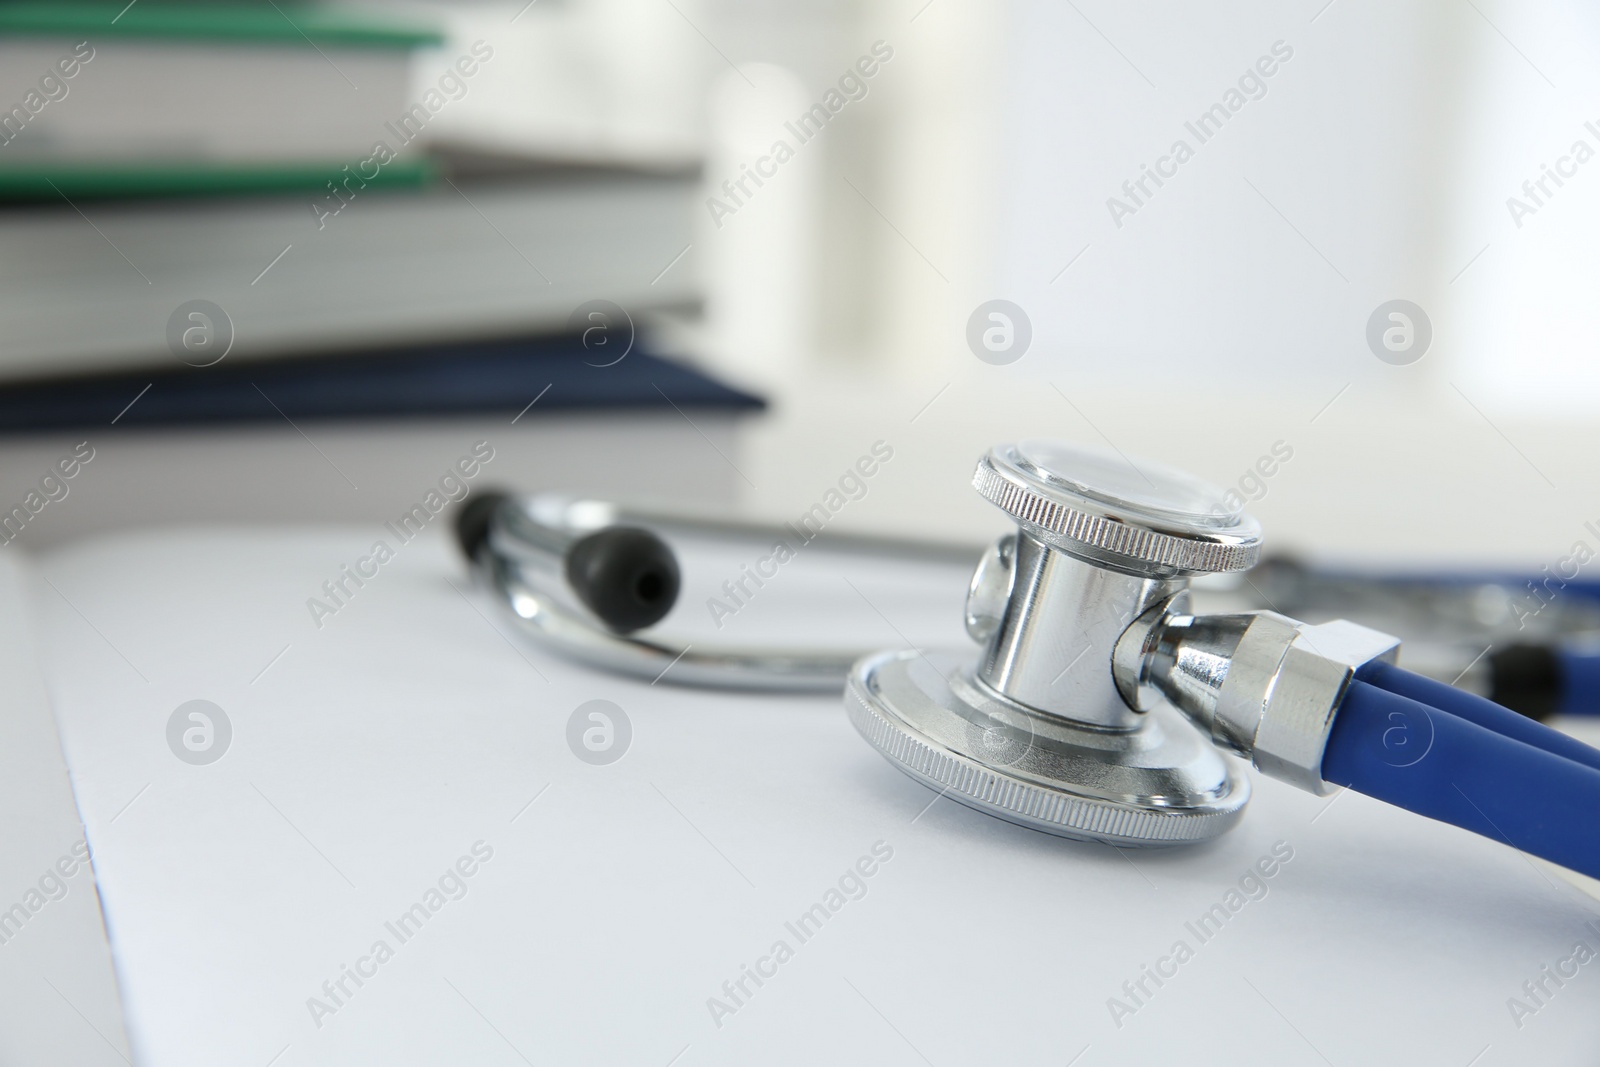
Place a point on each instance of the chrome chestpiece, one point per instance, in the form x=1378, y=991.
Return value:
x=1072, y=719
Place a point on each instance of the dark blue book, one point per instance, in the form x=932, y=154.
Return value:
x=488, y=377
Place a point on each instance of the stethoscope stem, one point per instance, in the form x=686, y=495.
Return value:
x=529, y=566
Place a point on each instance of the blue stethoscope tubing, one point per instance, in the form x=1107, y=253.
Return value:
x=1538, y=679
x=1556, y=679
x=1461, y=759
x=1577, y=682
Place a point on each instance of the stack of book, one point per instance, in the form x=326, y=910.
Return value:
x=262, y=183
x=275, y=161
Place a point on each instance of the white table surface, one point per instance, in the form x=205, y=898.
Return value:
x=374, y=752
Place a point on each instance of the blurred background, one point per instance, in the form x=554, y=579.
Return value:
x=278, y=263
x=268, y=263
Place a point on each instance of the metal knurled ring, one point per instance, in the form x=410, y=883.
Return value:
x=1050, y=809
x=1110, y=535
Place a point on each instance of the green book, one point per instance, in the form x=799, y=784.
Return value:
x=163, y=99
x=78, y=181
x=262, y=23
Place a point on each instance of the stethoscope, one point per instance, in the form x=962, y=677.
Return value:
x=1100, y=702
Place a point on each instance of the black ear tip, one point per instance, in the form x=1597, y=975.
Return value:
x=1526, y=679
x=472, y=521
x=626, y=575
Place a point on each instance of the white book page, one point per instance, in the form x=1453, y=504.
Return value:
x=614, y=913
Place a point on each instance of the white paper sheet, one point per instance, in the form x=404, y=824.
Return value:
x=369, y=756
x=58, y=994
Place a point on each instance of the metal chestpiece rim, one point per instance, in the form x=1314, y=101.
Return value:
x=1173, y=541
x=1161, y=785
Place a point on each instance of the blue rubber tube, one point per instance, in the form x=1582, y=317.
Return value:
x=1436, y=764
x=1477, y=710
x=1580, y=683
